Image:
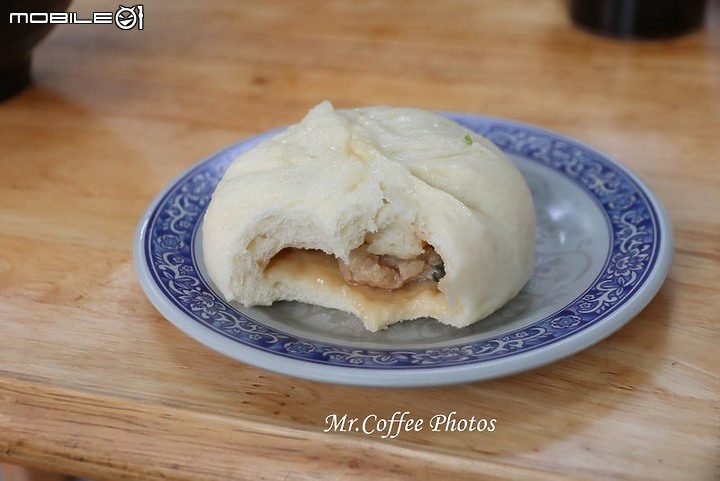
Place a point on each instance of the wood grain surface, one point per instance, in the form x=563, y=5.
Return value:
x=94, y=382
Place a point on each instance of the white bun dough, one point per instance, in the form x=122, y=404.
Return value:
x=390, y=182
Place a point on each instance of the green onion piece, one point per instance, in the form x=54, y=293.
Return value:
x=467, y=139
x=438, y=271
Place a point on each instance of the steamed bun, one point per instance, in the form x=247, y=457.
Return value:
x=387, y=213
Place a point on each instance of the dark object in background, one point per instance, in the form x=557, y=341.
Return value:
x=17, y=41
x=640, y=19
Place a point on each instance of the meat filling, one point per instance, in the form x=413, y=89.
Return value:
x=391, y=272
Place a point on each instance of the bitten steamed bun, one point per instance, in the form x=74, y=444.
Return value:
x=388, y=213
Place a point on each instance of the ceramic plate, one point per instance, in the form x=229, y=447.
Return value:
x=604, y=247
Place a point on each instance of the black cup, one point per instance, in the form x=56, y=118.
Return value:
x=17, y=41
x=639, y=19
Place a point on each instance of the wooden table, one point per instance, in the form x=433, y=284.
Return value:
x=94, y=382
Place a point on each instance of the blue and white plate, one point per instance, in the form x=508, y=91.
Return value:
x=604, y=246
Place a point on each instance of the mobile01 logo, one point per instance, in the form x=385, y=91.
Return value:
x=124, y=18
